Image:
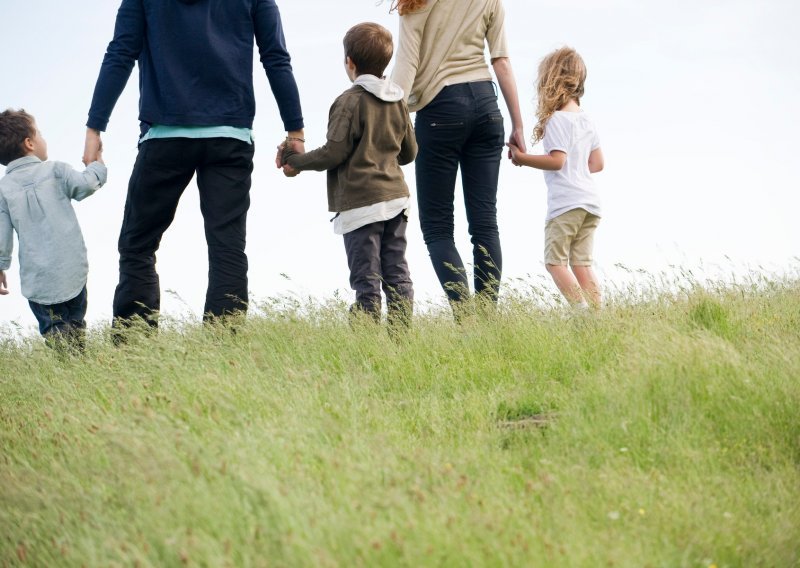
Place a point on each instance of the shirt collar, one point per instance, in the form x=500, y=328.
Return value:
x=19, y=162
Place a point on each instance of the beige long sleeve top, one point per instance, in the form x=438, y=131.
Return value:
x=444, y=44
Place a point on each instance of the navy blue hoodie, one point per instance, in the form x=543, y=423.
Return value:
x=196, y=63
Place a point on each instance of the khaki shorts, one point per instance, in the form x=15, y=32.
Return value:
x=569, y=238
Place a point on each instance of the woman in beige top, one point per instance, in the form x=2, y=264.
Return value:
x=442, y=68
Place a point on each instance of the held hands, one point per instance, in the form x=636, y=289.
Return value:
x=517, y=138
x=516, y=145
x=279, y=155
x=515, y=153
x=93, y=148
x=289, y=147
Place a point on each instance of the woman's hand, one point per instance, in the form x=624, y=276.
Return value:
x=514, y=152
x=517, y=140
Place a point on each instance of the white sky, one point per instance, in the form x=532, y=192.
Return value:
x=694, y=102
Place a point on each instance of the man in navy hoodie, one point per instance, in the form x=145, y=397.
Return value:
x=196, y=110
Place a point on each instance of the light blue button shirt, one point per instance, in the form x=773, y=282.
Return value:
x=35, y=200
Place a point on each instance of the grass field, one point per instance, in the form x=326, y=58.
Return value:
x=663, y=431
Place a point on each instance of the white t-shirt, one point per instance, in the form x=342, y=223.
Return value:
x=353, y=219
x=572, y=186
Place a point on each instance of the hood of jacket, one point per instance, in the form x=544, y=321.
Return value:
x=383, y=88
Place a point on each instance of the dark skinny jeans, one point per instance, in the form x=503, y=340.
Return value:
x=461, y=127
x=63, y=325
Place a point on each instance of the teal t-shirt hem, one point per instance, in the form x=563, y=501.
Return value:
x=163, y=131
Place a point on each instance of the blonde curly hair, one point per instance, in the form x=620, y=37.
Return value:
x=404, y=7
x=562, y=75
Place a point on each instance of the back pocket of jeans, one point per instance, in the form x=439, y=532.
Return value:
x=494, y=118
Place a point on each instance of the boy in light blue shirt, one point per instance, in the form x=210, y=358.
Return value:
x=35, y=200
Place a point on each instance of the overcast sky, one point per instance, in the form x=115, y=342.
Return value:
x=694, y=102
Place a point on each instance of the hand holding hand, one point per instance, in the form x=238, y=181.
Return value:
x=3, y=283
x=93, y=147
x=290, y=147
x=517, y=138
x=295, y=140
x=294, y=145
x=514, y=153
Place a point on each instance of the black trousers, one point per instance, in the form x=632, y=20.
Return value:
x=163, y=169
x=376, y=255
x=461, y=128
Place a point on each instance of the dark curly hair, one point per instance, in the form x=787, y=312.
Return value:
x=15, y=127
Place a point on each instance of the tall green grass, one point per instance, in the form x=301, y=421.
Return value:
x=659, y=432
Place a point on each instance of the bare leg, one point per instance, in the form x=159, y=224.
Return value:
x=588, y=283
x=566, y=282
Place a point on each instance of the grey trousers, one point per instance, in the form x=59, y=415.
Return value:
x=376, y=255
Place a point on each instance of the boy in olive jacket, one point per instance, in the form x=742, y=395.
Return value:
x=370, y=136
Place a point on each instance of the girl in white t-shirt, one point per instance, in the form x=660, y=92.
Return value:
x=572, y=154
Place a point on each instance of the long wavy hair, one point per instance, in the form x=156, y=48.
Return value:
x=562, y=75
x=404, y=7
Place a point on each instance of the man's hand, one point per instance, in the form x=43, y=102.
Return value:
x=295, y=138
x=296, y=146
x=279, y=155
x=291, y=146
x=3, y=283
x=93, y=148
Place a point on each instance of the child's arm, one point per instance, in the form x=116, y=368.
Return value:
x=337, y=148
x=80, y=185
x=596, y=161
x=6, y=244
x=553, y=161
x=326, y=157
x=323, y=158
